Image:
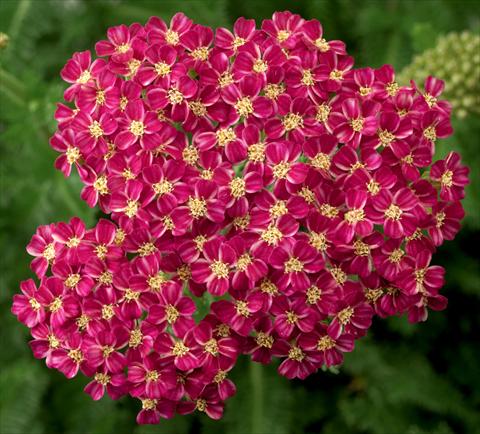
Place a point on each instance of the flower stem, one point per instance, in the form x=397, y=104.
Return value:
x=257, y=397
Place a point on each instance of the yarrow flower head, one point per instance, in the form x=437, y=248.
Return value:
x=255, y=172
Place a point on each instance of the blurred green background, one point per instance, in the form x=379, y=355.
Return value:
x=400, y=379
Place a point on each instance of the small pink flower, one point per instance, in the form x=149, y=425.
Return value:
x=313, y=35
x=138, y=125
x=292, y=315
x=115, y=384
x=294, y=264
x=354, y=121
x=243, y=31
x=446, y=222
x=26, y=307
x=173, y=310
x=395, y=212
x=80, y=71
x=92, y=131
x=185, y=353
x=420, y=276
x=151, y=378
x=102, y=351
x=329, y=347
x=452, y=176
x=215, y=270
x=44, y=248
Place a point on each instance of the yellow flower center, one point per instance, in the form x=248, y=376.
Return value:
x=149, y=404
x=156, y=281
x=260, y=66
x=135, y=339
x=279, y=209
x=225, y=79
x=430, y=133
x=172, y=37
x=73, y=154
x=238, y=42
x=357, y=124
x=373, y=187
x=197, y=108
x=174, y=96
x=396, y=256
x=49, y=252
x=364, y=91
x=264, y=340
x=55, y=305
x=137, y=128
x=85, y=76
x=345, y=315
x=307, y=78
x=338, y=275
x=200, y=53
x=321, y=161
x=325, y=343
x=34, y=304
x=447, y=179
x=293, y=265
x=393, y=212
x=268, y=287
x=180, y=349
x=336, y=75
x=102, y=378
x=190, y=155
x=197, y=207
x=101, y=251
x=95, y=129
x=323, y=111
x=256, y=152
x=219, y=269
x=225, y=136
x=162, y=187
x=220, y=376
x=313, y=294
x=272, y=235
x=242, y=308
x=354, y=216
x=296, y=354
x=318, y=240
x=131, y=209
x=76, y=356
x=171, y=313
x=392, y=88
x=361, y=248
x=72, y=280
x=106, y=278
x=283, y=35
x=244, y=261
x=101, y=185
x=244, y=106
x=162, y=69
x=273, y=90
x=385, y=137
x=147, y=249
x=292, y=121
x=280, y=170
x=108, y=311
x=322, y=44
x=211, y=347
x=152, y=376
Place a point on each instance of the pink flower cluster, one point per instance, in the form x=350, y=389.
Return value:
x=255, y=172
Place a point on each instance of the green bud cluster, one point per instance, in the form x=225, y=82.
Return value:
x=456, y=60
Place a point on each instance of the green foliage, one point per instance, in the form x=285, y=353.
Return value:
x=401, y=378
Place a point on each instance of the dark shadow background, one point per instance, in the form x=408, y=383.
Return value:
x=400, y=379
